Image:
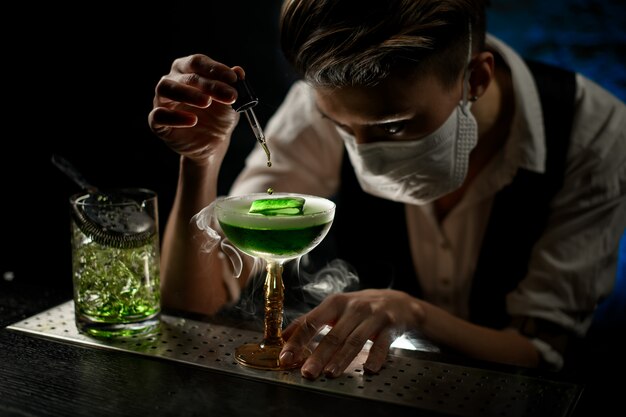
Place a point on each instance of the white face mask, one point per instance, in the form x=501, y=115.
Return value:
x=419, y=171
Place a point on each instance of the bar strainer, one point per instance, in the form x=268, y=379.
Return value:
x=117, y=218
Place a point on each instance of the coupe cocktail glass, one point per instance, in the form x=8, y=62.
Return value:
x=275, y=238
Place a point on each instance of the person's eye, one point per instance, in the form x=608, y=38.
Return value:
x=393, y=128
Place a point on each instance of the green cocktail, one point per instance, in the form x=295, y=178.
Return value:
x=288, y=243
x=115, y=271
x=275, y=235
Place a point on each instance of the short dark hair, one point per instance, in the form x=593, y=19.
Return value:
x=336, y=43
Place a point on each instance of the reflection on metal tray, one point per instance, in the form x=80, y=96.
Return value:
x=406, y=378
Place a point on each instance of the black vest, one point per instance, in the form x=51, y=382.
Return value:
x=371, y=233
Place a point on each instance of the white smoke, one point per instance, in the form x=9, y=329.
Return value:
x=205, y=220
x=336, y=277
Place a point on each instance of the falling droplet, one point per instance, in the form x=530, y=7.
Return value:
x=270, y=191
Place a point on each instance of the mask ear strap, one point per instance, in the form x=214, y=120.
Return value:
x=466, y=74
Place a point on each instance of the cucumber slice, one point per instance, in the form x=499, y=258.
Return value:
x=288, y=206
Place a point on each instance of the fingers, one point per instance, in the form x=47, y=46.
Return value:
x=184, y=89
x=335, y=351
x=206, y=67
x=353, y=325
x=193, y=83
x=194, y=90
x=240, y=72
x=160, y=118
x=196, y=81
x=298, y=335
x=378, y=353
x=333, y=355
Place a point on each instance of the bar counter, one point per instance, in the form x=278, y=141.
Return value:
x=47, y=375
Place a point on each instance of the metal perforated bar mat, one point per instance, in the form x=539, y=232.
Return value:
x=407, y=380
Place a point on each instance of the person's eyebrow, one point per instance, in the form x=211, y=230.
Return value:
x=392, y=118
x=324, y=115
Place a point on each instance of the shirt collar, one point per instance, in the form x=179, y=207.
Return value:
x=526, y=145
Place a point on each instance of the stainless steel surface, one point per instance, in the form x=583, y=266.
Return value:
x=406, y=379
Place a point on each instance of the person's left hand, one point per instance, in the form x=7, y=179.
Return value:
x=380, y=315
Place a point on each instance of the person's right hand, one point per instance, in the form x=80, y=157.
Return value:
x=192, y=109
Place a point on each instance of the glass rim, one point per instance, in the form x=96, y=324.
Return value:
x=237, y=213
x=139, y=195
x=254, y=196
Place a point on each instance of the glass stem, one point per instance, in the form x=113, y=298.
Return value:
x=274, y=292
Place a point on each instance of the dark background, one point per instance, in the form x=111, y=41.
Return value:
x=82, y=87
x=79, y=82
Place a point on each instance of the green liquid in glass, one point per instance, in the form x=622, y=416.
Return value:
x=275, y=243
x=116, y=291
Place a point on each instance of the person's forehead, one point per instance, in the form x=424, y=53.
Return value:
x=393, y=99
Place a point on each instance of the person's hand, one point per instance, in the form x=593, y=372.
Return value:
x=192, y=109
x=378, y=315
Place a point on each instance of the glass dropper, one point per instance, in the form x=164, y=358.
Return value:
x=245, y=102
x=258, y=132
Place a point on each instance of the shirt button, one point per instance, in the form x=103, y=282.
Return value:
x=445, y=282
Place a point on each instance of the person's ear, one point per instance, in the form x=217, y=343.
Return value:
x=481, y=73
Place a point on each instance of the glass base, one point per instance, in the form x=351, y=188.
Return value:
x=259, y=356
x=102, y=330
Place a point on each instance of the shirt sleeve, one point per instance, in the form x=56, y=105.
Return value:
x=574, y=264
x=306, y=151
